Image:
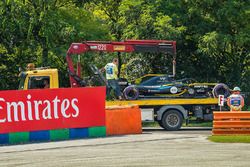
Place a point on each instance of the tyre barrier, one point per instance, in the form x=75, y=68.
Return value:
x=231, y=123
x=131, y=93
x=221, y=89
x=121, y=120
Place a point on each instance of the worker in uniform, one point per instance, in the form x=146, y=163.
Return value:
x=235, y=101
x=112, y=78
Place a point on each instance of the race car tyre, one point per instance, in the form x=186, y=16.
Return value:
x=131, y=93
x=221, y=89
x=172, y=120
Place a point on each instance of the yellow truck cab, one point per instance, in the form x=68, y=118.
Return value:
x=38, y=78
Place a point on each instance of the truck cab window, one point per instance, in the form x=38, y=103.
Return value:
x=39, y=82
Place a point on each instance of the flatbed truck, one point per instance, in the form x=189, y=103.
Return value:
x=168, y=112
x=171, y=113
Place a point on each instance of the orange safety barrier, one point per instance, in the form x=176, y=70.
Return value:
x=231, y=123
x=122, y=120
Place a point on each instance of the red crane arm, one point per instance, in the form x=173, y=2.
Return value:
x=153, y=46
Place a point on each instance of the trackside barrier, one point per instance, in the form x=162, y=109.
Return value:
x=51, y=114
x=122, y=120
x=231, y=123
x=52, y=135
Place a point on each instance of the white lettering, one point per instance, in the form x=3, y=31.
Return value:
x=101, y=47
x=4, y=119
x=29, y=108
x=15, y=110
x=37, y=103
x=64, y=107
x=47, y=110
x=75, y=107
x=55, y=101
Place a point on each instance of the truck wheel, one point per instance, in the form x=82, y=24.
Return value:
x=172, y=120
x=160, y=123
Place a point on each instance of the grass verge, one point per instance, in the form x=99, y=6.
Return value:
x=191, y=124
x=198, y=124
x=150, y=124
x=230, y=139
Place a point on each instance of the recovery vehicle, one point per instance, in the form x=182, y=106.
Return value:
x=168, y=112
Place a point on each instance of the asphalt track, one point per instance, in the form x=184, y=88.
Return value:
x=155, y=147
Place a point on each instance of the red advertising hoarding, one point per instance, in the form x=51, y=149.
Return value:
x=46, y=109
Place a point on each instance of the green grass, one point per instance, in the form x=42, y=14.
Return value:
x=150, y=124
x=230, y=139
x=191, y=124
x=198, y=124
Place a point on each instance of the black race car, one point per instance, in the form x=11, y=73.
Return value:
x=165, y=86
x=162, y=85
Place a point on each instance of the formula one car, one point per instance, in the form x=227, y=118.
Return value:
x=162, y=85
x=165, y=86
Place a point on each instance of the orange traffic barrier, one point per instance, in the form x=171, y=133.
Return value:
x=123, y=120
x=231, y=123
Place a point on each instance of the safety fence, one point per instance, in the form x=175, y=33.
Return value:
x=231, y=123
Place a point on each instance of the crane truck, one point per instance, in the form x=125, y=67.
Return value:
x=169, y=112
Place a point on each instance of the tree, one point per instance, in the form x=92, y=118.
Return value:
x=138, y=19
x=41, y=32
x=226, y=43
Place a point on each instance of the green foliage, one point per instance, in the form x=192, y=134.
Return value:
x=213, y=37
x=41, y=32
x=225, y=42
